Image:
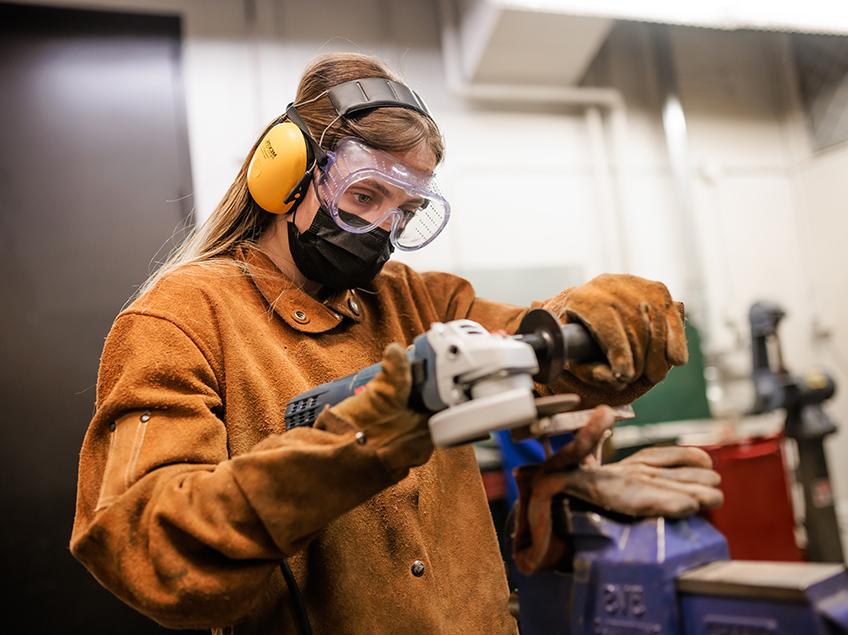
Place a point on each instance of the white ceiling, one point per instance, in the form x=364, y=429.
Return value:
x=817, y=16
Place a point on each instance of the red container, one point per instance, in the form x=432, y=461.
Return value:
x=757, y=516
x=494, y=482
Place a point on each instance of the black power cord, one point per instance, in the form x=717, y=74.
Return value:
x=298, y=605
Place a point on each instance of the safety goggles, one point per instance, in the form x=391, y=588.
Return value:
x=364, y=188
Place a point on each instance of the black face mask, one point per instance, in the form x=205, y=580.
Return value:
x=335, y=258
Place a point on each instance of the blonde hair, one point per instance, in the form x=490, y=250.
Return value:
x=238, y=220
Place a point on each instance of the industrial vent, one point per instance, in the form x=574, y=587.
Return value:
x=822, y=65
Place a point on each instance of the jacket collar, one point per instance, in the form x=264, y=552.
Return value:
x=297, y=308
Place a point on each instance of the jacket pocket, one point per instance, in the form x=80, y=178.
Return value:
x=126, y=438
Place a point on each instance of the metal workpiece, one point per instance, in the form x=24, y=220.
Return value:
x=562, y=422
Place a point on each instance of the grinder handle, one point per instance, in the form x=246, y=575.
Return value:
x=579, y=344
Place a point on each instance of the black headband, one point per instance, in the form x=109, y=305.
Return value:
x=374, y=92
x=316, y=151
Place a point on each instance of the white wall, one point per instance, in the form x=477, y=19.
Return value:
x=771, y=217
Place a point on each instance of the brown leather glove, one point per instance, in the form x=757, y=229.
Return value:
x=634, y=321
x=668, y=481
x=535, y=546
x=664, y=481
x=380, y=413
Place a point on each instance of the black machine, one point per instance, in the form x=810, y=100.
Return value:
x=807, y=424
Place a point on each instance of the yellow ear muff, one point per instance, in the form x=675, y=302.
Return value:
x=276, y=167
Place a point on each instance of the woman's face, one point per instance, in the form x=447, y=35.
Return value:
x=419, y=158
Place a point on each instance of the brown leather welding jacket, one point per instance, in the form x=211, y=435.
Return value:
x=190, y=491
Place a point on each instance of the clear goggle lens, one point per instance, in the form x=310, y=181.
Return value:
x=364, y=189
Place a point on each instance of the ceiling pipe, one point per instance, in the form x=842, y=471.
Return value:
x=676, y=137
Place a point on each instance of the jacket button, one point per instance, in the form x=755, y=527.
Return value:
x=417, y=568
x=354, y=305
x=300, y=316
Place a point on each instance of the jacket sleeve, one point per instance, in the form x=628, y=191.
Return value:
x=454, y=299
x=170, y=523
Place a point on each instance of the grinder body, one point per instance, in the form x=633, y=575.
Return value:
x=472, y=381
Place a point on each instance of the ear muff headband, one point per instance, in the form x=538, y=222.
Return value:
x=281, y=167
x=374, y=92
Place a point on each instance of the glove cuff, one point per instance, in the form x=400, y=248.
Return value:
x=397, y=453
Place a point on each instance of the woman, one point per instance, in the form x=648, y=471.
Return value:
x=190, y=494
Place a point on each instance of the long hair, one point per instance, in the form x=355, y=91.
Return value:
x=238, y=219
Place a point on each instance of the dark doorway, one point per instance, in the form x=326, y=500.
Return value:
x=94, y=179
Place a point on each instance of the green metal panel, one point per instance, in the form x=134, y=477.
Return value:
x=681, y=395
